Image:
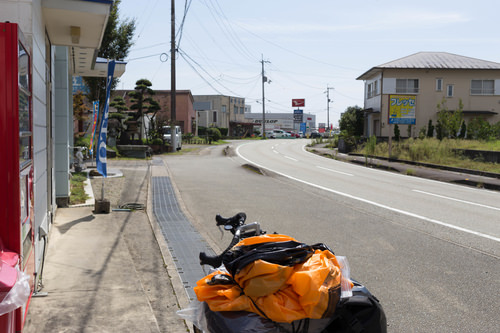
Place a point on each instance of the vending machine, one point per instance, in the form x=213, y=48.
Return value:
x=17, y=171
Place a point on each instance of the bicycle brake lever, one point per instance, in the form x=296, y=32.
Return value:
x=221, y=232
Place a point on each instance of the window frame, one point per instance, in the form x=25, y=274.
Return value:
x=406, y=89
x=372, y=89
x=482, y=91
x=448, y=87
x=439, y=84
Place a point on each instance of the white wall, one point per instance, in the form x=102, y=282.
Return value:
x=28, y=15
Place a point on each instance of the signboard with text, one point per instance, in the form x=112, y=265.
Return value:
x=298, y=115
x=402, y=109
x=298, y=102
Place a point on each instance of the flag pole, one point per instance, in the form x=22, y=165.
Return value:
x=103, y=206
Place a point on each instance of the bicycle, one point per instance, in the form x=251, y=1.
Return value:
x=355, y=308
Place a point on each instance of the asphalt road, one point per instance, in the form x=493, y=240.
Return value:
x=429, y=251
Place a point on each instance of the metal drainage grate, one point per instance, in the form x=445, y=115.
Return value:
x=184, y=241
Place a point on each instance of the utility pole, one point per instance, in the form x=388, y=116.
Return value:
x=328, y=107
x=173, y=130
x=264, y=80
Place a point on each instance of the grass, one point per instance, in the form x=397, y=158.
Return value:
x=78, y=195
x=433, y=151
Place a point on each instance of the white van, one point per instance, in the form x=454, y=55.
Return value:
x=167, y=136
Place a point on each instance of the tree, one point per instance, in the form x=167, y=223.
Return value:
x=352, y=121
x=143, y=102
x=479, y=129
x=430, y=129
x=463, y=131
x=449, y=121
x=397, y=133
x=80, y=112
x=116, y=43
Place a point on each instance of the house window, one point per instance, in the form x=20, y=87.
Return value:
x=215, y=117
x=407, y=86
x=482, y=87
x=223, y=108
x=372, y=89
x=449, y=90
x=242, y=110
x=439, y=84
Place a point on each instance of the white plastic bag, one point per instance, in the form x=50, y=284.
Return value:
x=18, y=295
x=345, y=280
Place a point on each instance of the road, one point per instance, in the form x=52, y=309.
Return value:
x=428, y=250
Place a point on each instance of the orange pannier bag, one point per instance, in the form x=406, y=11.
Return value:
x=276, y=277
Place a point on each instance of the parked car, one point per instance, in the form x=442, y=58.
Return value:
x=293, y=134
x=278, y=133
x=315, y=134
x=167, y=136
x=270, y=135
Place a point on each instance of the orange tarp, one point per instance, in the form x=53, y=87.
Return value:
x=282, y=293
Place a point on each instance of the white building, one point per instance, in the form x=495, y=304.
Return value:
x=284, y=121
x=62, y=38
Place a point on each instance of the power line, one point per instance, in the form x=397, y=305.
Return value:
x=227, y=30
x=181, y=28
x=189, y=59
x=293, y=52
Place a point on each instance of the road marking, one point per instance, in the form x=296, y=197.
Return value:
x=327, y=169
x=458, y=200
x=290, y=158
x=365, y=169
x=396, y=210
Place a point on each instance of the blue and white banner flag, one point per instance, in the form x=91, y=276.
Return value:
x=101, y=145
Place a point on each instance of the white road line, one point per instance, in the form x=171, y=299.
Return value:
x=451, y=226
x=290, y=158
x=458, y=200
x=343, y=173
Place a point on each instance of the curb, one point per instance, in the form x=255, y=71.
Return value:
x=180, y=292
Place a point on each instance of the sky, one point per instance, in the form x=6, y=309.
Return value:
x=308, y=48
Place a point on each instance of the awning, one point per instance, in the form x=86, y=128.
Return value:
x=371, y=110
x=80, y=25
x=472, y=112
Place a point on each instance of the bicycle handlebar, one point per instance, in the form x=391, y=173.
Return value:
x=239, y=229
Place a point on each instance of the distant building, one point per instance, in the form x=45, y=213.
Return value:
x=223, y=112
x=284, y=121
x=407, y=91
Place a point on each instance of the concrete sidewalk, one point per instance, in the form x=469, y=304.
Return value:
x=107, y=272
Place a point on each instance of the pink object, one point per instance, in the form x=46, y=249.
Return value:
x=8, y=278
x=10, y=258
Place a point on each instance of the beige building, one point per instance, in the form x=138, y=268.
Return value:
x=407, y=91
x=220, y=111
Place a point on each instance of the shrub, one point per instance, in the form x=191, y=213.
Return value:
x=223, y=131
x=157, y=141
x=397, y=133
x=214, y=133
x=430, y=129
